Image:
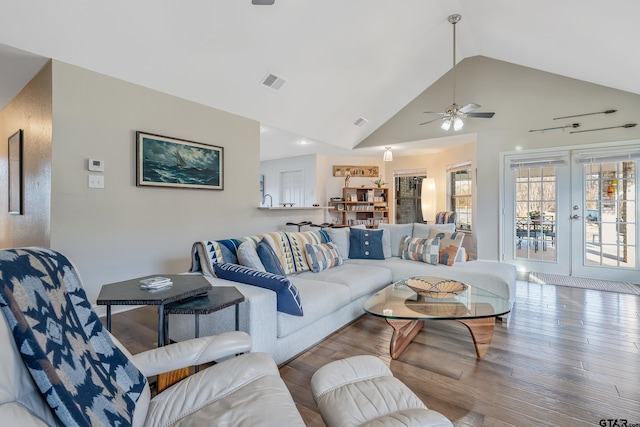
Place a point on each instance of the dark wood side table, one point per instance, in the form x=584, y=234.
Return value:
x=128, y=292
x=217, y=298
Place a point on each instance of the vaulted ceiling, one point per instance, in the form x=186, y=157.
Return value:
x=340, y=60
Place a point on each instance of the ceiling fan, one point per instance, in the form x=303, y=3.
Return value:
x=454, y=113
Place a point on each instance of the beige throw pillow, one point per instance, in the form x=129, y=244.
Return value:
x=450, y=243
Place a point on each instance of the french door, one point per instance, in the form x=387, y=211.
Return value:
x=606, y=222
x=573, y=213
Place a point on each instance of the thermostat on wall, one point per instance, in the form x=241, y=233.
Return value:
x=96, y=165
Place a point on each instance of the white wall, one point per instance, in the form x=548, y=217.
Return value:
x=271, y=169
x=123, y=231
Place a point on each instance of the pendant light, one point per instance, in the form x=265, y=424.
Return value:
x=388, y=155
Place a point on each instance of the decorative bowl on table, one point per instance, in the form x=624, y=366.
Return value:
x=435, y=287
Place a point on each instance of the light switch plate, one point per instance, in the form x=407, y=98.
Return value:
x=96, y=181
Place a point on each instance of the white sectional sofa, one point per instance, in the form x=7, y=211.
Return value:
x=333, y=297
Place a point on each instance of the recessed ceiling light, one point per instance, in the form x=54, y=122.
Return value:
x=304, y=142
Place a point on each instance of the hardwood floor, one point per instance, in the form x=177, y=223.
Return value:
x=569, y=357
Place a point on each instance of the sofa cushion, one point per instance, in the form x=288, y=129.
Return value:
x=288, y=298
x=396, y=232
x=450, y=244
x=248, y=256
x=365, y=244
x=325, y=299
x=424, y=230
x=360, y=281
x=423, y=250
x=269, y=259
x=323, y=256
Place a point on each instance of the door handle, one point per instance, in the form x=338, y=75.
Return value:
x=575, y=216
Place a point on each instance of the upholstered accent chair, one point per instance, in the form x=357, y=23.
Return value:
x=59, y=366
x=446, y=217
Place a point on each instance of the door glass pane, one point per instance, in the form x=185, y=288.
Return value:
x=610, y=215
x=535, y=237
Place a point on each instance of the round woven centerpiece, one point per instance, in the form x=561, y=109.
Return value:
x=435, y=287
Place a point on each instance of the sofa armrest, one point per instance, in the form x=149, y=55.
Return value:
x=258, y=317
x=192, y=352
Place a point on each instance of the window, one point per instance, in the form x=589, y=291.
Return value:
x=461, y=184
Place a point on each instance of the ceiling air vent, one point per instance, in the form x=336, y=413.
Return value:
x=273, y=81
x=360, y=122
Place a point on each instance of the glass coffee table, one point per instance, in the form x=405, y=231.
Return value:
x=406, y=311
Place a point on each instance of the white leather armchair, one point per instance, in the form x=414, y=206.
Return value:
x=244, y=390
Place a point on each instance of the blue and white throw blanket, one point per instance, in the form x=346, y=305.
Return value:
x=83, y=376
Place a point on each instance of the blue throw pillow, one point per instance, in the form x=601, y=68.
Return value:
x=269, y=259
x=288, y=298
x=365, y=244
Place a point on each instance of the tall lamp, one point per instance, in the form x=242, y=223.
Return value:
x=428, y=199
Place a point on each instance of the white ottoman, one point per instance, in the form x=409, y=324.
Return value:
x=362, y=391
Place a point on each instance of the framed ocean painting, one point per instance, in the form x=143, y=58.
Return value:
x=171, y=162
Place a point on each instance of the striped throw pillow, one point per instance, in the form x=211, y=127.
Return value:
x=287, y=296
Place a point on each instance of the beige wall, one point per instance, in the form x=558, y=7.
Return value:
x=436, y=166
x=123, y=231
x=30, y=111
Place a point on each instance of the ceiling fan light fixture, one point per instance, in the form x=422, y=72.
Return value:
x=454, y=113
x=458, y=124
x=388, y=155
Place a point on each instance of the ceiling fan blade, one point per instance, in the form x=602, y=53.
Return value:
x=434, y=112
x=430, y=121
x=481, y=115
x=469, y=107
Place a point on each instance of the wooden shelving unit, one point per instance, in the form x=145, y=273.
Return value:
x=361, y=205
